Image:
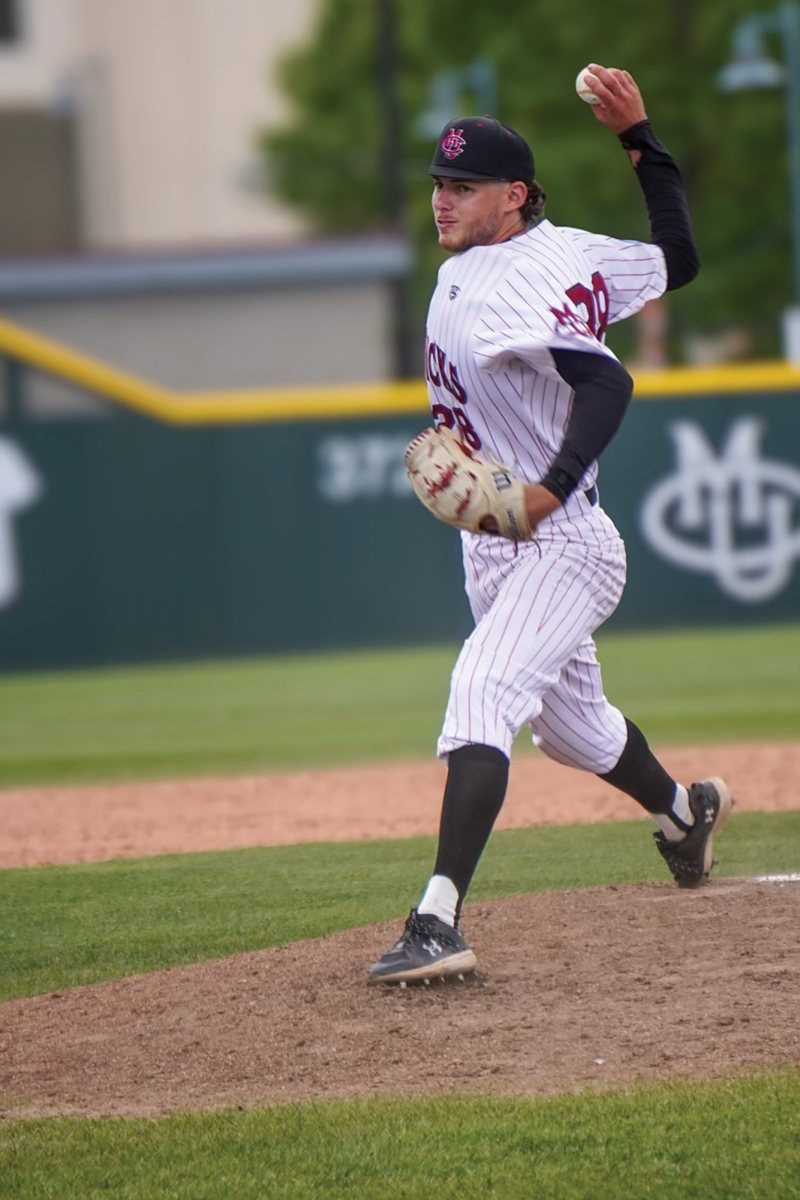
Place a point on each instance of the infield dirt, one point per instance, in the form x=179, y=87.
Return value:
x=130, y=820
x=574, y=990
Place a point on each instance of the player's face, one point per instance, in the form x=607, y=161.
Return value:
x=472, y=212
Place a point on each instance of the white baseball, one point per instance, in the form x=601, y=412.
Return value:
x=583, y=89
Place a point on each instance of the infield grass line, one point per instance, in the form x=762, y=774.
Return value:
x=731, y=1140
x=302, y=712
x=68, y=926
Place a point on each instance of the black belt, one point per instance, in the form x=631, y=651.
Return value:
x=591, y=495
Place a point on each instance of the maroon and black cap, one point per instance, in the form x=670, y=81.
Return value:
x=482, y=148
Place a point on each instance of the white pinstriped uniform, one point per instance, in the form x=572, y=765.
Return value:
x=494, y=318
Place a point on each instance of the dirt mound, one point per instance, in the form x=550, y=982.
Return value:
x=574, y=989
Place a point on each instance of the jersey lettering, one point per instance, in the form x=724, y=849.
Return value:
x=442, y=373
x=595, y=302
x=441, y=359
x=601, y=304
x=454, y=386
x=430, y=364
x=572, y=322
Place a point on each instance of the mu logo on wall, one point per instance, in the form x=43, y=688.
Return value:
x=734, y=516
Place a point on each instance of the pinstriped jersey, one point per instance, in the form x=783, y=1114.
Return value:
x=497, y=314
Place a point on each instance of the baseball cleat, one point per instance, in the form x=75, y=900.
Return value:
x=691, y=859
x=427, y=949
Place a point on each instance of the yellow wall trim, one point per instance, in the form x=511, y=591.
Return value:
x=312, y=404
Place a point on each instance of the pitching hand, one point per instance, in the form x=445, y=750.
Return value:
x=621, y=104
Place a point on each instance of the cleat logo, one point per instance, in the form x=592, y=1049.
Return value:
x=733, y=515
x=432, y=947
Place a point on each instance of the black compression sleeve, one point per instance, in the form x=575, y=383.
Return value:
x=602, y=390
x=667, y=207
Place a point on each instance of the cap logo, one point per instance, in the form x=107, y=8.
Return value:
x=453, y=144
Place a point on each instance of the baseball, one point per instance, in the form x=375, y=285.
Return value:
x=583, y=89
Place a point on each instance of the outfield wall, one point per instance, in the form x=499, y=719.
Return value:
x=128, y=539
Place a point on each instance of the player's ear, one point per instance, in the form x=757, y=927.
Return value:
x=517, y=194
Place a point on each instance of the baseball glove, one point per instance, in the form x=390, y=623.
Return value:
x=464, y=489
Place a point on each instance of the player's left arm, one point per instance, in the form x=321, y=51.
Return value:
x=602, y=391
x=622, y=110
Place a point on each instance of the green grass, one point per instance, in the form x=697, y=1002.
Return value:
x=226, y=717
x=285, y=713
x=732, y=1140
x=66, y=926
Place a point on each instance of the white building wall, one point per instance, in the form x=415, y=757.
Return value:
x=171, y=96
x=34, y=71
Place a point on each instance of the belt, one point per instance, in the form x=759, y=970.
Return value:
x=591, y=495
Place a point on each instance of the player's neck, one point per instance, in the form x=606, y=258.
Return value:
x=512, y=227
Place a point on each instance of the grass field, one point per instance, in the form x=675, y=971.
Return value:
x=74, y=925
x=734, y=1140
x=64, y=926
x=238, y=717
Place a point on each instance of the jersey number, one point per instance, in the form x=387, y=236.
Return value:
x=595, y=302
x=442, y=415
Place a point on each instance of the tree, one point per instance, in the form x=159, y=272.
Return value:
x=731, y=149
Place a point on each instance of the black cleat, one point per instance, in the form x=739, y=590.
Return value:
x=690, y=860
x=427, y=949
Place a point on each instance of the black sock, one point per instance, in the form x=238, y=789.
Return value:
x=477, y=778
x=639, y=774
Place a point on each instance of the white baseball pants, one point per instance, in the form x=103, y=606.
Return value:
x=531, y=659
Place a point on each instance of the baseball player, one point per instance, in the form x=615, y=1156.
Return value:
x=525, y=395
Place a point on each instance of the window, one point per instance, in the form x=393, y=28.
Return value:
x=9, y=21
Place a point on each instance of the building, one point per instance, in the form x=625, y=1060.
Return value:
x=132, y=125
x=135, y=221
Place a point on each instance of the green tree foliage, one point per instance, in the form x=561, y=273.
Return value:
x=328, y=160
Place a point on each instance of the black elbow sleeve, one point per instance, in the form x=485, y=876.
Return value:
x=683, y=263
x=602, y=390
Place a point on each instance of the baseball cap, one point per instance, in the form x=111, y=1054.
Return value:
x=482, y=148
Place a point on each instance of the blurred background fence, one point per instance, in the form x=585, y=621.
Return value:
x=240, y=203
x=221, y=525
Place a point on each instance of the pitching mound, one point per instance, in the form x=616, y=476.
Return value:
x=574, y=990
